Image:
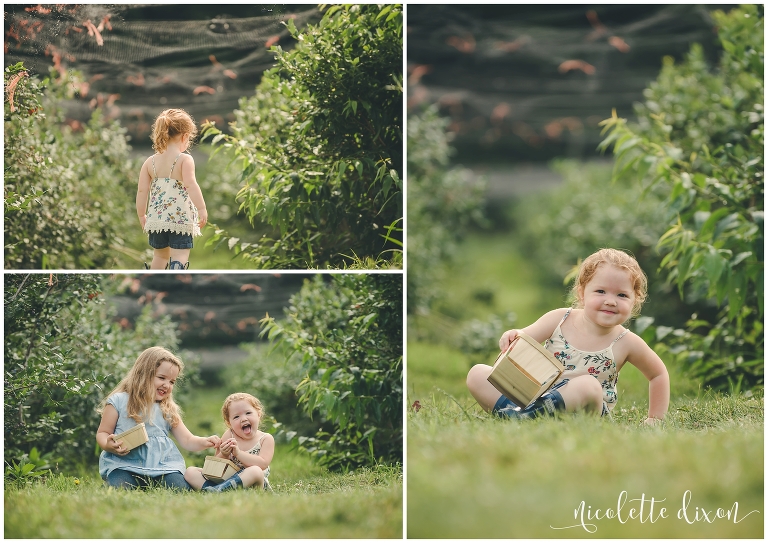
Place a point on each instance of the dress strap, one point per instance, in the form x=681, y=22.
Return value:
x=174, y=164
x=618, y=338
x=153, y=165
x=568, y=312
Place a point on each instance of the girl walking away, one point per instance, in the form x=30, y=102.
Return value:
x=242, y=443
x=146, y=395
x=592, y=344
x=176, y=211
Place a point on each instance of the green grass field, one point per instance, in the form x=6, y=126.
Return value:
x=307, y=501
x=470, y=475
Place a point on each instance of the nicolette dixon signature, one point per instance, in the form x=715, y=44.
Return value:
x=650, y=510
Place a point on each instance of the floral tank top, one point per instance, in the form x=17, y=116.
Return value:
x=601, y=364
x=256, y=449
x=170, y=207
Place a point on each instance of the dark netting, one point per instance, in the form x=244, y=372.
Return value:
x=533, y=81
x=140, y=59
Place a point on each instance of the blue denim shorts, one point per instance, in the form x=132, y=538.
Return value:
x=161, y=240
x=504, y=403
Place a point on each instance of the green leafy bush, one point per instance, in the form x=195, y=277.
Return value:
x=63, y=352
x=347, y=331
x=320, y=144
x=68, y=193
x=700, y=135
x=442, y=202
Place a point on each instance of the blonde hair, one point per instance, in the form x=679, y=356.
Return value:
x=140, y=387
x=169, y=124
x=619, y=259
x=237, y=396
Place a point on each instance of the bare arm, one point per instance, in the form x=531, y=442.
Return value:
x=191, y=442
x=142, y=195
x=189, y=181
x=106, y=432
x=648, y=362
x=540, y=330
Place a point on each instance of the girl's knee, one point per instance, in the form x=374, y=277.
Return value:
x=477, y=374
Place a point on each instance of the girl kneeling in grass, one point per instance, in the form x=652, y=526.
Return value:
x=591, y=343
x=243, y=443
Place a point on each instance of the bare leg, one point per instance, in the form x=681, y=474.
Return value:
x=251, y=476
x=194, y=476
x=480, y=388
x=583, y=392
x=181, y=256
x=160, y=259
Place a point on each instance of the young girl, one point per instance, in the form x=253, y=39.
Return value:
x=146, y=395
x=592, y=344
x=176, y=206
x=242, y=443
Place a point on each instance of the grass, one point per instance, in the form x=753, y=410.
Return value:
x=307, y=501
x=471, y=475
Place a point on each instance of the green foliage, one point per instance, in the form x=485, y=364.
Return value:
x=68, y=193
x=348, y=333
x=442, y=202
x=63, y=352
x=320, y=144
x=564, y=225
x=29, y=467
x=700, y=135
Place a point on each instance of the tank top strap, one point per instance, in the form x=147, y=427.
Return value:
x=568, y=312
x=618, y=338
x=153, y=166
x=174, y=164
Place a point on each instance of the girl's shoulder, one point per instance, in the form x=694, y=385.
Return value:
x=118, y=399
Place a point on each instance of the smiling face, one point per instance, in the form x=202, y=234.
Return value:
x=608, y=297
x=243, y=419
x=164, y=380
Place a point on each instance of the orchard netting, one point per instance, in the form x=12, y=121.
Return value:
x=533, y=81
x=137, y=60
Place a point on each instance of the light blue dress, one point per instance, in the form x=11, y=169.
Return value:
x=159, y=456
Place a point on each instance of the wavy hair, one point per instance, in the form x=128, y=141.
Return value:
x=619, y=259
x=169, y=124
x=140, y=387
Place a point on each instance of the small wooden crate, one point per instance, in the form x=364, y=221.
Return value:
x=134, y=437
x=217, y=469
x=525, y=371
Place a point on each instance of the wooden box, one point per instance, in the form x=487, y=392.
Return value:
x=217, y=469
x=134, y=437
x=525, y=371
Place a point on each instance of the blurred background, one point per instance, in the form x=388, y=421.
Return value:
x=139, y=59
x=505, y=104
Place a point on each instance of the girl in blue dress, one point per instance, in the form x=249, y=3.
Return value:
x=146, y=395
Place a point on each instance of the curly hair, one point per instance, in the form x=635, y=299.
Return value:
x=619, y=259
x=237, y=396
x=169, y=124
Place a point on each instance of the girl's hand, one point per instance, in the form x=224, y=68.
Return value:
x=229, y=447
x=203, y=216
x=506, y=339
x=116, y=447
x=212, y=442
x=650, y=421
x=143, y=221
